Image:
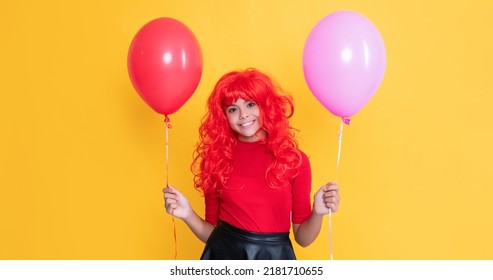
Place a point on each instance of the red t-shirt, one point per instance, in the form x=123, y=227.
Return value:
x=247, y=202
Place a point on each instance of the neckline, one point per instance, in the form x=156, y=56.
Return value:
x=255, y=144
x=249, y=143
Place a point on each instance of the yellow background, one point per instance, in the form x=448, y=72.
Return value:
x=82, y=156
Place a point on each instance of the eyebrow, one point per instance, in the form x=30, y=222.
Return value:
x=246, y=101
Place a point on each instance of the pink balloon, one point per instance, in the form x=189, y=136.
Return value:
x=344, y=62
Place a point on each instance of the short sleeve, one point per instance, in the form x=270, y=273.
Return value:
x=212, y=207
x=301, y=192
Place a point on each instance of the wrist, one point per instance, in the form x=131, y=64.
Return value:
x=316, y=213
x=189, y=217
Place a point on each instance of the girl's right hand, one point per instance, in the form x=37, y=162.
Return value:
x=327, y=197
x=176, y=203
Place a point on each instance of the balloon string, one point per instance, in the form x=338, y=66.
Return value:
x=347, y=121
x=168, y=126
x=344, y=120
x=174, y=232
x=330, y=235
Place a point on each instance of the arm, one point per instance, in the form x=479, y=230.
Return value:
x=177, y=204
x=327, y=197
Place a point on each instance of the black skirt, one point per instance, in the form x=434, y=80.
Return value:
x=231, y=243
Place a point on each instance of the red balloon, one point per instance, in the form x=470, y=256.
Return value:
x=165, y=64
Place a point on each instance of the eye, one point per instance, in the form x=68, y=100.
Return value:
x=231, y=109
x=251, y=104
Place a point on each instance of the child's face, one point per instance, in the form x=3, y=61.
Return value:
x=244, y=118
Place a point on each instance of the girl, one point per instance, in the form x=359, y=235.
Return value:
x=255, y=180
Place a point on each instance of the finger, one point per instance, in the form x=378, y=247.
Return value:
x=172, y=188
x=171, y=200
x=332, y=206
x=331, y=200
x=171, y=209
x=331, y=186
x=169, y=190
x=331, y=194
x=175, y=191
x=170, y=196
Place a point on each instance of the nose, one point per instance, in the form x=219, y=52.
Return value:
x=243, y=114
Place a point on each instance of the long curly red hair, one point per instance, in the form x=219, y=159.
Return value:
x=213, y=155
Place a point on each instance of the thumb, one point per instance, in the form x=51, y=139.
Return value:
x=175, y=191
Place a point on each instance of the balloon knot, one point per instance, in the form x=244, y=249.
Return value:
x=346, y=120
x=166, y=120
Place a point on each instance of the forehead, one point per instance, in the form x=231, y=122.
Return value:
x=230, y=97
x=239, y=101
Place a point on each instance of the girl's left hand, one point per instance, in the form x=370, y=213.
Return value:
x=327, y=197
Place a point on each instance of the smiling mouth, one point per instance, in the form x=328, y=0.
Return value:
x=246, y=124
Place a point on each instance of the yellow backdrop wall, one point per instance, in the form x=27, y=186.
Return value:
x=82, y=156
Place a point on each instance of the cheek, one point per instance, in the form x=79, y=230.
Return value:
x=230, y=118
x=259, y=116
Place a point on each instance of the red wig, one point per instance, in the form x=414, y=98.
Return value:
x=213, y=156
